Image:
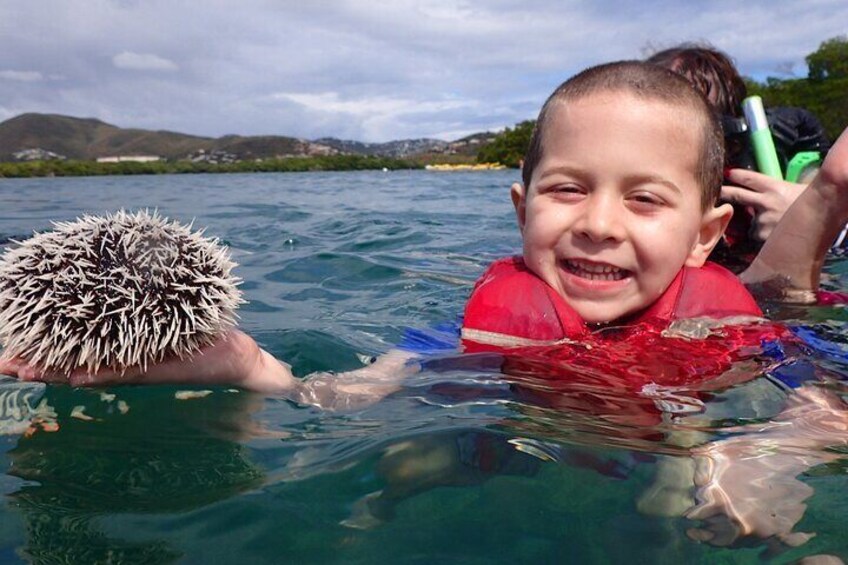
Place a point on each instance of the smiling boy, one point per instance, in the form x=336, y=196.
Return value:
x=609, y=234
x=618, y=215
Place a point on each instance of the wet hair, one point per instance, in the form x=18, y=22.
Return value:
x=649, y=82
x=713, y=74
x=710, y=71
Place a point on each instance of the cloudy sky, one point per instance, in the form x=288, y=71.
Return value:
x=371, y=70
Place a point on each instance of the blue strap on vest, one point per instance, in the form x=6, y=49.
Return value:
x=441, y=338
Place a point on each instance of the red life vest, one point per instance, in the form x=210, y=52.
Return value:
x=511, y=306
x=513, y=312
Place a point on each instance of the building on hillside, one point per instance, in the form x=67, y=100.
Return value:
x=36, y=154
x=213, y=157
x=129, y=159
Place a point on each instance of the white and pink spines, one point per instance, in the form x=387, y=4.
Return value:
x=117, y=291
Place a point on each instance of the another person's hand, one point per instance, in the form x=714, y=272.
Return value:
x=234, y=360
x=769, y=198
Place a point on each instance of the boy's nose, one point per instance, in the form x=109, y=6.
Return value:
x=600, y=222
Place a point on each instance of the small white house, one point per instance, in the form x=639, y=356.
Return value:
x=129, y=158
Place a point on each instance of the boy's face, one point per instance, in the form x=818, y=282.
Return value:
x=613, y=210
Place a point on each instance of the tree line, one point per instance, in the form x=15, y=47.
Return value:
x=824, y=92
x=69, y=168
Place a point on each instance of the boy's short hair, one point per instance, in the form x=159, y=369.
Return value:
x=650, y=82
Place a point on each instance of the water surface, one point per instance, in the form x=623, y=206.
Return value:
x=336, y=266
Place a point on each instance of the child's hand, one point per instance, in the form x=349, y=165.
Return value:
x=235, y=359
x=769, y=197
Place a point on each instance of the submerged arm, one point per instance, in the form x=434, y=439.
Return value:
x=748, y=483
x=360, y=387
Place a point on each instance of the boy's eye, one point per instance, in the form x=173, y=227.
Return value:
x=566, y=189
x=647, y=199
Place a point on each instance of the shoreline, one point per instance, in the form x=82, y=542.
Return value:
x=74, y=168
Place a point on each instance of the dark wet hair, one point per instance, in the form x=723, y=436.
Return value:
x=649, y=82
x=710, y=71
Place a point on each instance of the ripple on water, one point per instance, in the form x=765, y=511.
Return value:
x=257, y=306
x=253, y=211
x=315, y=293
x=399, y=238
x=309, y=351
x=334, y=270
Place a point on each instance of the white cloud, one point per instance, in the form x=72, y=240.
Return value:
x=21, y=76
x=384, y=106
x=143, y=62
x=6, y=113
x=374, y=71
x=380, y=117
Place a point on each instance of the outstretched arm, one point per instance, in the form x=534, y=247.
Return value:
x=795, y=251
x=237, y=360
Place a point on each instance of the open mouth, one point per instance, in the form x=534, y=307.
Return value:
x=595, y=271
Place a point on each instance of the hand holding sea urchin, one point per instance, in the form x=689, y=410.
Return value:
x=115, y=291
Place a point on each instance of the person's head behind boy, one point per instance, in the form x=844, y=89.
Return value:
x=620, y=184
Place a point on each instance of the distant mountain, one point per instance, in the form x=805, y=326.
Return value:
x=79, y=138
x=30, y=135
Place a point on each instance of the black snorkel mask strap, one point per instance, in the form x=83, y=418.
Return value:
x=737, y=143
x=733, y=126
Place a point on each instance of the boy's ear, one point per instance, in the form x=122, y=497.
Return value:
x=713, y=224
x=519, y=201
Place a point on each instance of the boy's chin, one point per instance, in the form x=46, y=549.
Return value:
x=598, y=320
x=600, y=314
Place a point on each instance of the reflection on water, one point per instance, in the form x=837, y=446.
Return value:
x=123, y=453
x=464, y=464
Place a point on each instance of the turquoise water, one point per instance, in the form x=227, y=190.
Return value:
x=336, y=266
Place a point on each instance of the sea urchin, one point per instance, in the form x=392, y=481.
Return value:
x=116, y=291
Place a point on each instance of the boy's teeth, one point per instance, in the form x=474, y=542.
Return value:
x=596, y=271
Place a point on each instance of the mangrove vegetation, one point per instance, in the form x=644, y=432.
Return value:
x=70, y=168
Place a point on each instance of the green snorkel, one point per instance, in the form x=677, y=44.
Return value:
x=765, y=153
x=761, y=139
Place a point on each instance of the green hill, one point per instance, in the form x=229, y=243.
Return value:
x=88, y=139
